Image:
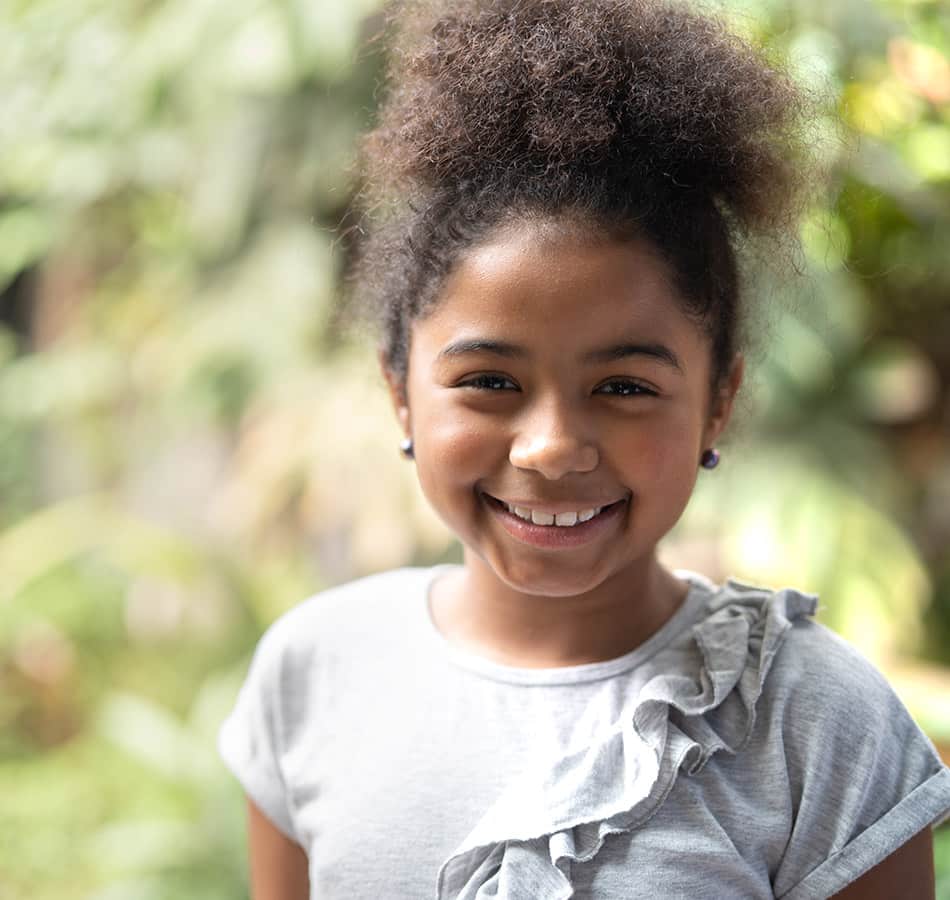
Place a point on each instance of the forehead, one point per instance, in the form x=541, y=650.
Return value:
x=560, y=285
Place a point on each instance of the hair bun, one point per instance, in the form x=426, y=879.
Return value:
x=628, y=89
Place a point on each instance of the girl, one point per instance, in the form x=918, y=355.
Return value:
x=558, y=193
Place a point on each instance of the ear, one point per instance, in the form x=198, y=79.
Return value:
x=723, y=400
x=397, y=394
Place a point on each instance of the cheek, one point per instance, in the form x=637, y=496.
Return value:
x=672, y=477
x=664, y=454
x=455, y=448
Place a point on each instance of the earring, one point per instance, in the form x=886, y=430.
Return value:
x=710, y=458
x=405, y=446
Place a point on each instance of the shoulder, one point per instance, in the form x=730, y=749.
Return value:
x=805, y=666
x=862, y=778
x=817, y=667
x=831, y=695
x=845, y=731
x=819, y=703
x=349, y=605
x=363, y=614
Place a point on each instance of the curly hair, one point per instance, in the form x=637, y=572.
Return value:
x=638, y=118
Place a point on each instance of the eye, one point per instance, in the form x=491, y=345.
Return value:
x=625, y=387
x=489, y=383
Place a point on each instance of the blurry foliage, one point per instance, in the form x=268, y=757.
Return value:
x=185, y=432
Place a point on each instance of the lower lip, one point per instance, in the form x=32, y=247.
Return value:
x=556, y=537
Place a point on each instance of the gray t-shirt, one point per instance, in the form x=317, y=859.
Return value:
x=743, y=751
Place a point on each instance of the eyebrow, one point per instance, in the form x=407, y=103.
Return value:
x=622, y=351
x=482, y=345
x=611, y=353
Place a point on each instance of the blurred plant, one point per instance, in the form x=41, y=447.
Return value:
x=942, y=862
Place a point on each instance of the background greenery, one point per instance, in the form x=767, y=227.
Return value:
x=185, y=430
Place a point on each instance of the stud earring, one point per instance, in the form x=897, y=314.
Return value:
x=710, y=458
x=405, y=446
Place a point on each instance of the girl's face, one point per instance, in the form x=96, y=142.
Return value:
x=559, y=375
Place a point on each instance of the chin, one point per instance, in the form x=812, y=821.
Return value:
x=545, y=579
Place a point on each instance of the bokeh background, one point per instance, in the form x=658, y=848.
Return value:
x=190, y=442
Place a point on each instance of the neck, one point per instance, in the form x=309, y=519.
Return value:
x=476, y=610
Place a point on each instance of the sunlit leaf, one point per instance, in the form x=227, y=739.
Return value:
x=896, y=383
x=928, y=151
x=25, y=235
x=154, y=736
x=143, y=845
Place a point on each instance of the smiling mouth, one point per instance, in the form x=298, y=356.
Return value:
x=570, y=519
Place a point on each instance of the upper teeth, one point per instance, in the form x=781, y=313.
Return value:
x=562, y=519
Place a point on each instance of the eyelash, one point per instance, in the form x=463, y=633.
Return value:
x=482, y=382
x=640, y=389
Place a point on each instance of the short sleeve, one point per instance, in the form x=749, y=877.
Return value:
x=864, y=778
x=250, y=738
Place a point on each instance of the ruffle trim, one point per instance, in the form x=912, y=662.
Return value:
x=525, y=845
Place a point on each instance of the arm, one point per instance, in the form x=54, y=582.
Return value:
x=908, y=873
x=278, y=865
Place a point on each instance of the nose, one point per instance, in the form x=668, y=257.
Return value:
x=553, y=443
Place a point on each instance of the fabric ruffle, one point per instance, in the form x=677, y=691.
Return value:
x=525, y=845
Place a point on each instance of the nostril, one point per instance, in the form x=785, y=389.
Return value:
x=554, y=458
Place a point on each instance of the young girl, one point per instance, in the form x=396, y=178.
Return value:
x=558, y=192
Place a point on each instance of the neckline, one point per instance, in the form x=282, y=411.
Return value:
x=698, y=591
